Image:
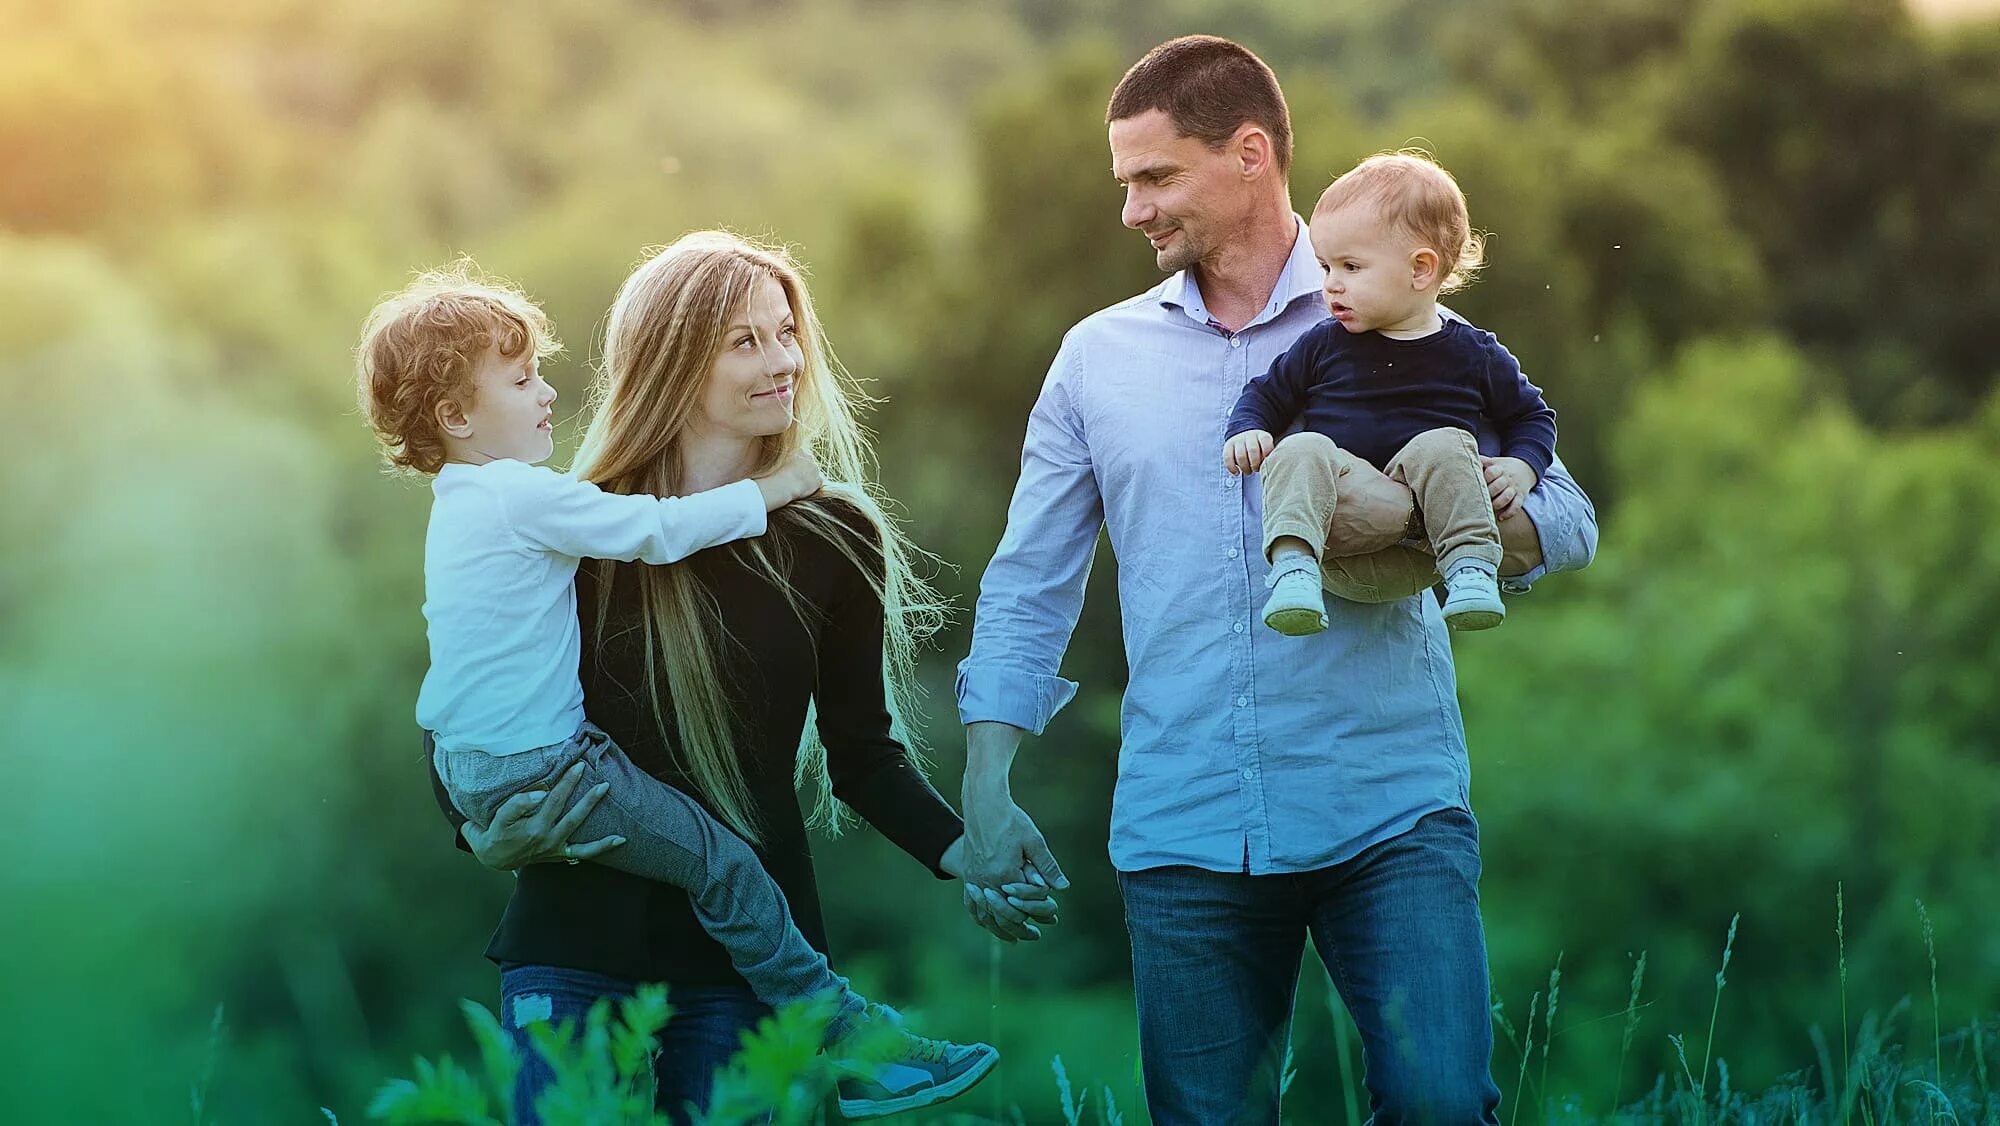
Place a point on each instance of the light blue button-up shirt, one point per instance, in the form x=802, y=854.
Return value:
x=1241, y=750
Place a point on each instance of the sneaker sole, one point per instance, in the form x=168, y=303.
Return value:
x=928, y=1097
x=1296, y=623
x=1468, y=621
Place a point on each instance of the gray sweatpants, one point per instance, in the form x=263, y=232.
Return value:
x=670, y=838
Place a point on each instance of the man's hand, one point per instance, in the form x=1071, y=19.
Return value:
x=1509, y=480
x=532, y=827
x=1002, y=843
x=1373, y=512
x=1014, y=912
x=1245, y=452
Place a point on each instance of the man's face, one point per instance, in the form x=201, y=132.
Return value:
x=1182, y=196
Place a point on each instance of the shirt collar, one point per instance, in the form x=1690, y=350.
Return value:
x=1300, y=278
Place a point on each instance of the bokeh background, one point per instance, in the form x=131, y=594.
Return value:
x=1751, y=250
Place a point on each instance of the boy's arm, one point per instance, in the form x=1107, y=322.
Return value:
x=574, y=517
x=1526, y=423
x=1272, y=400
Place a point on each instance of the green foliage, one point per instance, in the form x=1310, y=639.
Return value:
x=602, y=1072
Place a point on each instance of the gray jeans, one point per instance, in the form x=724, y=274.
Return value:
x=669, y=838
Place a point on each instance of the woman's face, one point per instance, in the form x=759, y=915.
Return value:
x=750, y=386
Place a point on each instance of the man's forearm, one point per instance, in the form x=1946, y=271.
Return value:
x=1375, y=511
x=1520, y=543
x=989, y=757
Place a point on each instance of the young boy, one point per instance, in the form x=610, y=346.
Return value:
x=449, y=382
x=1390, y=380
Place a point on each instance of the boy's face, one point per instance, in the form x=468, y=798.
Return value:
x=509, y=414
x=1375, y=278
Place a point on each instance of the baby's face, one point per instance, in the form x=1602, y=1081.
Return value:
x=1374, y=275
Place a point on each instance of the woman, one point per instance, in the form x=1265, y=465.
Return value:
x=715, y=370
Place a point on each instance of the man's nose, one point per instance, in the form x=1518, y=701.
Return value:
x=1138, y=209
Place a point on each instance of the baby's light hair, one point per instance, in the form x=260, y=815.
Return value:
x=421, y=345
x=1411, y=190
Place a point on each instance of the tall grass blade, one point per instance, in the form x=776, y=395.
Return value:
x=1631, y=1026
x=1708, y=1050
x=1521, y=1080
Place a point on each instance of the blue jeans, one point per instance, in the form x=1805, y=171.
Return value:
x=705, y=1031
x=1215, y=965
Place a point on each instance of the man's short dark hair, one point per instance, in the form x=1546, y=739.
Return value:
x=1208, y=86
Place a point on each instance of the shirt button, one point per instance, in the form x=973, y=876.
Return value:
x=1249, y=774
x=1238, y=627
x=1232, y=553
x=1236, y=342
x=1242, y=701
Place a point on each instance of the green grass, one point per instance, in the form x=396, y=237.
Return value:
x=602, y=1070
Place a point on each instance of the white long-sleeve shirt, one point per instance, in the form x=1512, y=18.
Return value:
x=499, y=559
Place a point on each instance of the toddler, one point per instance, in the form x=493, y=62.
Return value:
x=1388, y=378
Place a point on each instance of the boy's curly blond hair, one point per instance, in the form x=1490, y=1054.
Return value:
x=1411, y=191
x=421, y=346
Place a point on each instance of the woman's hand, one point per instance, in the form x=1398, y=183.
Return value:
x=1013, y=912
x=532, y=827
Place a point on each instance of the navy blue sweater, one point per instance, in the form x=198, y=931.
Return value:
x=1371, y=393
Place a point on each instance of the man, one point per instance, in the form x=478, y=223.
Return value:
x=1269, y=788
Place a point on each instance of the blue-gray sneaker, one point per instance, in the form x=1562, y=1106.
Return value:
x=918, y=1072
x=1472, y=599
x=1296, y=607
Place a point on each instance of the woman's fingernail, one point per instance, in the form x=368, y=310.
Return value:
x=618, y=840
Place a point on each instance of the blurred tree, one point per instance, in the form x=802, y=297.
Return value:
x=1777, y=679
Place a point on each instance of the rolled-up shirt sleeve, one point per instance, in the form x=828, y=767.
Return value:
x=1565, y=522
x=1032, y=591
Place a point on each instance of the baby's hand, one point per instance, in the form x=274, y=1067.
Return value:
x=1245, y=452
x=795, y=479
x=1509, y=480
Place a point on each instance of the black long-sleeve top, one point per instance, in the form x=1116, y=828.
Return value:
x=590, y=917
x=1372, y=393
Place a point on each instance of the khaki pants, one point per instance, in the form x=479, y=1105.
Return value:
x=1301, y=481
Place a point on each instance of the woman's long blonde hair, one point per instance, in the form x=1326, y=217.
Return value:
x=664, y=333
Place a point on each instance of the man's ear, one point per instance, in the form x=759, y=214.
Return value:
x=451, y=419
x=1253, y=148
x=1424, y=267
